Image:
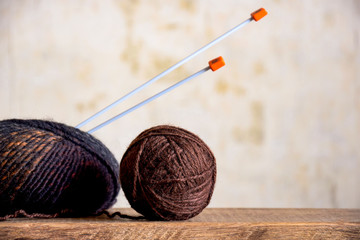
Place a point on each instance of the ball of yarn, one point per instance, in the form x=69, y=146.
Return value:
x=168, y=173
x=50, y=168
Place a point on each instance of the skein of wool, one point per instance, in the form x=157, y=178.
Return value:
x=168, y=173
x=50, y=168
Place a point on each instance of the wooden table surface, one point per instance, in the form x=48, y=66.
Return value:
x=212, y=223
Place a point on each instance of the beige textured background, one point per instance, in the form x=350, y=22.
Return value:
x=282, y=118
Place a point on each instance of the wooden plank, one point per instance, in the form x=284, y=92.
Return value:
x=226, y=223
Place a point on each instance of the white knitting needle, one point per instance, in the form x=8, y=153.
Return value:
x=257, y=15
x=214, y=65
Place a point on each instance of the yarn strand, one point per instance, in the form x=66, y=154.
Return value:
x=23, y=213
x=121, y=215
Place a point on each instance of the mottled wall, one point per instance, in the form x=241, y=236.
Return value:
x=283, y=117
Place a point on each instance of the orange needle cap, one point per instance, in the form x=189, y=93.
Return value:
x=216, y=63
x=259, y=14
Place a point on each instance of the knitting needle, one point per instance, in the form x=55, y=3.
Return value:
x=214, y=65
x=257, y=15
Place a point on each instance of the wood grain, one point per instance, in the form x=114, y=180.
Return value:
x=217, y=223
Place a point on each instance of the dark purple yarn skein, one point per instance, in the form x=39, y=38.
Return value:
x=168, y=173
x=51, y=168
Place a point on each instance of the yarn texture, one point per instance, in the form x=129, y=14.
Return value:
x=168, y=173
x=51, y=168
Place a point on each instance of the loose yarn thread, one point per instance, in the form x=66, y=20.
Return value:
x=51, y=169
x=22, y=213
x=168, y=173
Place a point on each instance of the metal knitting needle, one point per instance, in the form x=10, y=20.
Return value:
x=214, y=65
x=257, y=15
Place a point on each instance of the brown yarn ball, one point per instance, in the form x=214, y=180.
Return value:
x=168, y=173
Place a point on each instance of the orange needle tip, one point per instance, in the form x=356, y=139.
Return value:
x=216, y=63
x=259, y=14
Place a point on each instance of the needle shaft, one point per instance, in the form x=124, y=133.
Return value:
x=149, y=100
x=164, y=73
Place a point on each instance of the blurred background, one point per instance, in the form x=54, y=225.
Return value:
x=282, y=117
